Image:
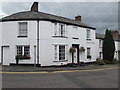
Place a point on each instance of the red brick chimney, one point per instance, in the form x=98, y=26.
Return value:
x=78, y=18
x=34, y=7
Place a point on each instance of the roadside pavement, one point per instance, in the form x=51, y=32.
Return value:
x=24, y=68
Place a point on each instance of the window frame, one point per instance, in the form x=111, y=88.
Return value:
x=88, y=49
x=57, y=53
x=24, y=30
x=88, y=33
x=23, y=50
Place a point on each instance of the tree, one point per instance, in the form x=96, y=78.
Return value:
x=108, y=46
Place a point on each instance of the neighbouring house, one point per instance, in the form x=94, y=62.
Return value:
x=35, y=37
x=99, y=43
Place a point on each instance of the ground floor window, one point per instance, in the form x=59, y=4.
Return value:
x=88, y=53
x=23, y=52
x=59, y=52
x=100, y=55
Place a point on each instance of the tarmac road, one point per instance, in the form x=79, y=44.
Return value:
x=106, y=78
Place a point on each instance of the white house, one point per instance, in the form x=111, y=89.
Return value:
x=99, y=43
x=45, y=39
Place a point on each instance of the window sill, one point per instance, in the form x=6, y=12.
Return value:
x=61, y=61
x=22, y=36
x=24, y=59
x=88, y=39
x=75, y=38
x=60, y=36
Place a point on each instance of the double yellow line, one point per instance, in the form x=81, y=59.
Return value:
x=60, y=71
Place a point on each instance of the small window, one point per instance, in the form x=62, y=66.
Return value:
x=55, y=29
x=100, y=43
x=19, y=50
x=61, y=52
x=23, y=31
x=88, y=33
x=23, y=52
x=55, y=52
x=88, y=51
x=62, y=30
x=26, y=50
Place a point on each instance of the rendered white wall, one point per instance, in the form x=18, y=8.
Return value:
x=47, y=41
x=10, y=33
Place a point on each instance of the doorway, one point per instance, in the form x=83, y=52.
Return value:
x=5, y=55
x=118, y=55
x=75, y=55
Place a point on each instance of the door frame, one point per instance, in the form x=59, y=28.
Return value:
x=2, y=53
x=77, y=47
x=119, y=55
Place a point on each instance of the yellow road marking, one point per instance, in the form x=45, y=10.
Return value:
x=59, y=71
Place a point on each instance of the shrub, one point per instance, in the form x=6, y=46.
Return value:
x=114, y=61
x=72, y=50
x=20, y=57
x=100, y=62
x=89, y=56
x=82, y=49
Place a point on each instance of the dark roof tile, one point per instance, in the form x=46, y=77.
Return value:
x=30, y=15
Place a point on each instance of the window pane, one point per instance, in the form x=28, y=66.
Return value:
x=55, y=52
x=88, y=33
x=23, y=29
x=26, y=50
x=62, y=30
x=88, y=51
x=19, y=50
x=55, y=29
x=61, y=52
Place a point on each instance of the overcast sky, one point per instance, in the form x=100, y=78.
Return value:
x=101, y=15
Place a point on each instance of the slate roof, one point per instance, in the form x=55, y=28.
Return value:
x=101, y=36
x=30, y=15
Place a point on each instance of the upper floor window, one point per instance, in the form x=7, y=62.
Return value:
x=88, y=33
x=23, y=29
x=59, y=30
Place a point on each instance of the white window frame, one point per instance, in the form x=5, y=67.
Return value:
x=55, y=33
x=59, y=29
x=88, y=33
x=57, y=53
x=23, y=49
x=62, y=30
x=62, y=52
x=88, y=49
x=100, y=43
x=23, y=32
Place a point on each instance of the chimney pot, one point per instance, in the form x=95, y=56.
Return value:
x=78, y=18
x=34, y=7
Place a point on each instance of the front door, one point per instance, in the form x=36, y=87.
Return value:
x=119, y=55
x=76, y=54
x=5, y=55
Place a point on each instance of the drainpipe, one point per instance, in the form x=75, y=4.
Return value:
x=37, y=42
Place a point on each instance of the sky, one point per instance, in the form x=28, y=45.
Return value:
x=101, y=15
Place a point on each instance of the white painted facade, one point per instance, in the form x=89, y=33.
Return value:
x=47, y=42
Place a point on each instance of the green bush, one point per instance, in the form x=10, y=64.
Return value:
x=100, y=62
x=114, y=61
